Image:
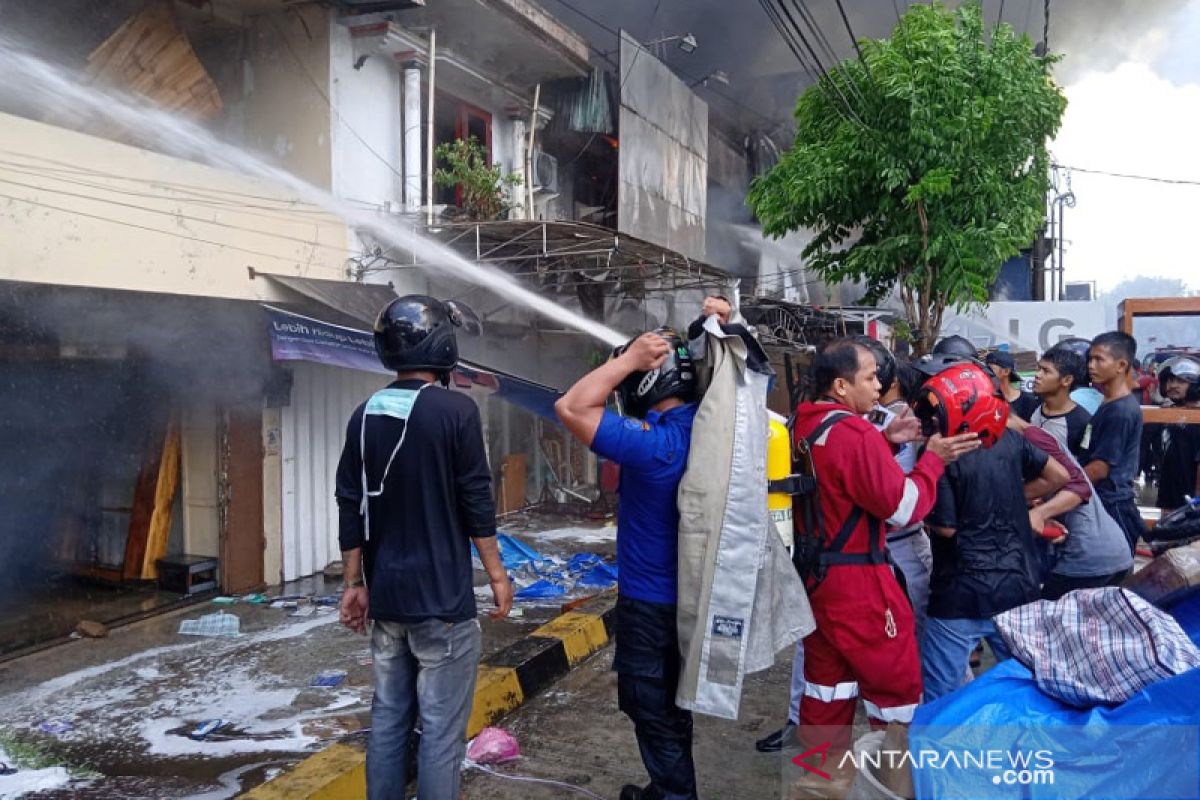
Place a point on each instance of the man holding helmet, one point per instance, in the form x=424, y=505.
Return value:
x=1179, y=380
x=655, y=382
x=864, y=642
x=413, y=491
x=984, y=556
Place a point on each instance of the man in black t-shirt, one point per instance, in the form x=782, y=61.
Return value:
x=1059, y=372
x=985, y=559
x=1021, y=402
x=414, y=490
x=1113, y=441
x=1179, y=380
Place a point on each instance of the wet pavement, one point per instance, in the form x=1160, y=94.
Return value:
x=118, y=717
x=575, y=734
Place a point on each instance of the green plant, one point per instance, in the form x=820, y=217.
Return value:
x=922, y=167
x=482, y=185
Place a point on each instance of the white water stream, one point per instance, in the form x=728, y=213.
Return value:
x=55, y=89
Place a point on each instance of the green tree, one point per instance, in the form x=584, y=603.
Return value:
x=922, y=167
x=481, y=184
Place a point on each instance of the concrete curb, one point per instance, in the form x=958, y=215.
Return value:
x=506, y=679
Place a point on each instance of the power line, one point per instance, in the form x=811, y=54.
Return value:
x=621, y=88
x=834, y=60
x=1129, y=176
x=850, y=31
x=788, y=39
x=135, y=226
x=324, y=96
x=824, y=73
x=735, y=101
x=175, y=215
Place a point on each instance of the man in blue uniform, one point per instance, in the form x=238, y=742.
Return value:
x=656, y=383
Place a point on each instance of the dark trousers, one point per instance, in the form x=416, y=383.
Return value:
x=1058, y=585
x=1126, y=513
x=647, y=665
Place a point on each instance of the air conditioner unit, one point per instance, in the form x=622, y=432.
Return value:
x=545, y=172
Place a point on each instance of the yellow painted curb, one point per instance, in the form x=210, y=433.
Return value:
x=582, y=634
x=497, y=691
x=337, y=772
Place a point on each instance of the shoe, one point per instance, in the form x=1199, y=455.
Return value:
x=774, y=742
x=631, y=792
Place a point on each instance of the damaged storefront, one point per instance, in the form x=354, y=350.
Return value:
x=132, y=438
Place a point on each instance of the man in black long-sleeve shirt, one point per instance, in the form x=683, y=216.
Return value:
x=414, y=452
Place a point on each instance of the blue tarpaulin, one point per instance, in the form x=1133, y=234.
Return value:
x=1147, y=747
x=541, y=590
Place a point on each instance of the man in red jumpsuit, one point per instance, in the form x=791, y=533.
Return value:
x=865, y=641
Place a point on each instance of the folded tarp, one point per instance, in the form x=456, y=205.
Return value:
x=1001, y=736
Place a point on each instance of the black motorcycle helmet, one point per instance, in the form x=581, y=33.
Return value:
x=417, y=332
x=1076, y=344
x=1080, y=347
x=1184, y=368
x=641, y=391
x=885, y=362
x=956, y=345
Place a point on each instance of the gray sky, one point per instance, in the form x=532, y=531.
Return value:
x=1139, y=113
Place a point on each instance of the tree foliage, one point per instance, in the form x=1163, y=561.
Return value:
x=481, y=184
x=922, y=167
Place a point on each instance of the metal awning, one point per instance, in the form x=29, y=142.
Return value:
x=564, y=256
x=360, y=301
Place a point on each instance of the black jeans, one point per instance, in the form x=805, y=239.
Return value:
x=1126, y=514
x=1058, y=585
x=647, y=665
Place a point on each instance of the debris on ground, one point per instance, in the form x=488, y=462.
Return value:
x=91, y=629
x=205, y=728
x=540, y=577
x=329, y=678
x=224, y=600
x=56, y=726
x=218, y=624
x=493, y=746
x=255, y=598
x=334, y=569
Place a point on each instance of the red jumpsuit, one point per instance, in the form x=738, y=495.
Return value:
x=865, y=641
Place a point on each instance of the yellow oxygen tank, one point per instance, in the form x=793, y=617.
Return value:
x=779, y=468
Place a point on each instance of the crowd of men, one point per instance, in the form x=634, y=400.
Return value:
x=924, y=532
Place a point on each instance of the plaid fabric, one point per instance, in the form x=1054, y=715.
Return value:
x=1096, y=645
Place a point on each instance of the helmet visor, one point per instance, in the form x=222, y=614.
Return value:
x=464, y=317
x=1181, y=367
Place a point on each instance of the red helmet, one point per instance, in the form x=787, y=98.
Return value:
x=962, y=399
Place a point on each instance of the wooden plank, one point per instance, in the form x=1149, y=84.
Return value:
x=143, y=511
x=1171, y=416
x=150, y=55
x=166, y=486
x=1156, y=307
x=512, y=482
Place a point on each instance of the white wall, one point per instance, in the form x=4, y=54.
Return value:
x=368, y=104
x=313, y=428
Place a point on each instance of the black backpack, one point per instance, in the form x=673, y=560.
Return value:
x=810, y=555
